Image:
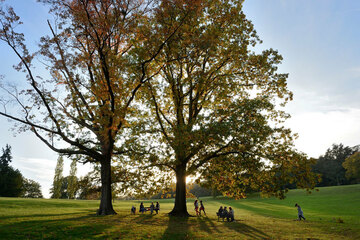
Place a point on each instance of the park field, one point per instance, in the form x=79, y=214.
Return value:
x=331, y=213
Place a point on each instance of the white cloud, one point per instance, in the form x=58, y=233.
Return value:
x=319, y=130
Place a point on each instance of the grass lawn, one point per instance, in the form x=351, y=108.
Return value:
x=256, y=218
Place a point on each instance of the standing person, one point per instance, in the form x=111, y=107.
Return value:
x=142, y=208
x=202, y=208
x=157, y=207
x=152, y=207
x=196, y=205
x=230, y=215
x=300, y=212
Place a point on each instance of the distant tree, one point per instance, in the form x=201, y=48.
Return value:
x=6, y=157
x=58, y=178
x=88, y=188
x=32, y=189
x=200, y=191
x=352, y=166
x=11, y=180
x=72, y=184
x=11, y=183
x=169, y=191
x=330, y=165
x=64, y=188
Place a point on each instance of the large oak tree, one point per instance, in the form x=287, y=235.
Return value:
x=98, y=56
x=215, y=104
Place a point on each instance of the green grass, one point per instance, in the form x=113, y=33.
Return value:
x=256, y=218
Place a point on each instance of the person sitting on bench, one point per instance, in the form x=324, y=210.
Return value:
x=220, y=212
x=224, y=213
x=133, y=210
x=230, y=216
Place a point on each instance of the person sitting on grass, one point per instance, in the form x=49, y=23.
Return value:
x=202, y=208
x=142, y=208
x=300, y=212
x=133, y=210
x=230, y=215
x=157, y=207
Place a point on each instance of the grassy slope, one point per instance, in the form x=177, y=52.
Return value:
x=256, y=218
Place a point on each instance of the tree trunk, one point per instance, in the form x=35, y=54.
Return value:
x=106, y=207
x=180, y=197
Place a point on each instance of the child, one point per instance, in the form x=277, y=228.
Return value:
x=202, y=208
x=300, y=212
x=196, y=205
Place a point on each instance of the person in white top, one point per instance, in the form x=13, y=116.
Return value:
x=230, y=217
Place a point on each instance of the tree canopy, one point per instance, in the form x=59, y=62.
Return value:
x=352, y=166
x=32, y=189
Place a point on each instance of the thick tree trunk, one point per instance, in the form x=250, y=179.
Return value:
x=180, y=197
x=106, y=207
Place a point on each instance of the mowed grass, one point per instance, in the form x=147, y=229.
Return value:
x=256, y=218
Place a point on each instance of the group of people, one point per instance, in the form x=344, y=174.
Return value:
x=225, y=213
x=222, y=212
x=143, y=209
x=197, y=210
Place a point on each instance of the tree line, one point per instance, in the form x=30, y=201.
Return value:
x=340, y=165
x=12, y=182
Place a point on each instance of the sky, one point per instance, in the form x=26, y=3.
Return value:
x=318, y=39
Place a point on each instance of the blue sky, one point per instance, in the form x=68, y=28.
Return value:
x=319, y=40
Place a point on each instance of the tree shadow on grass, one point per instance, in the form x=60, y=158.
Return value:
x=207, y=225
x=178, y=228
x=84, y=227
x=145, y=219
x=47, y=215
x=246, y=230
